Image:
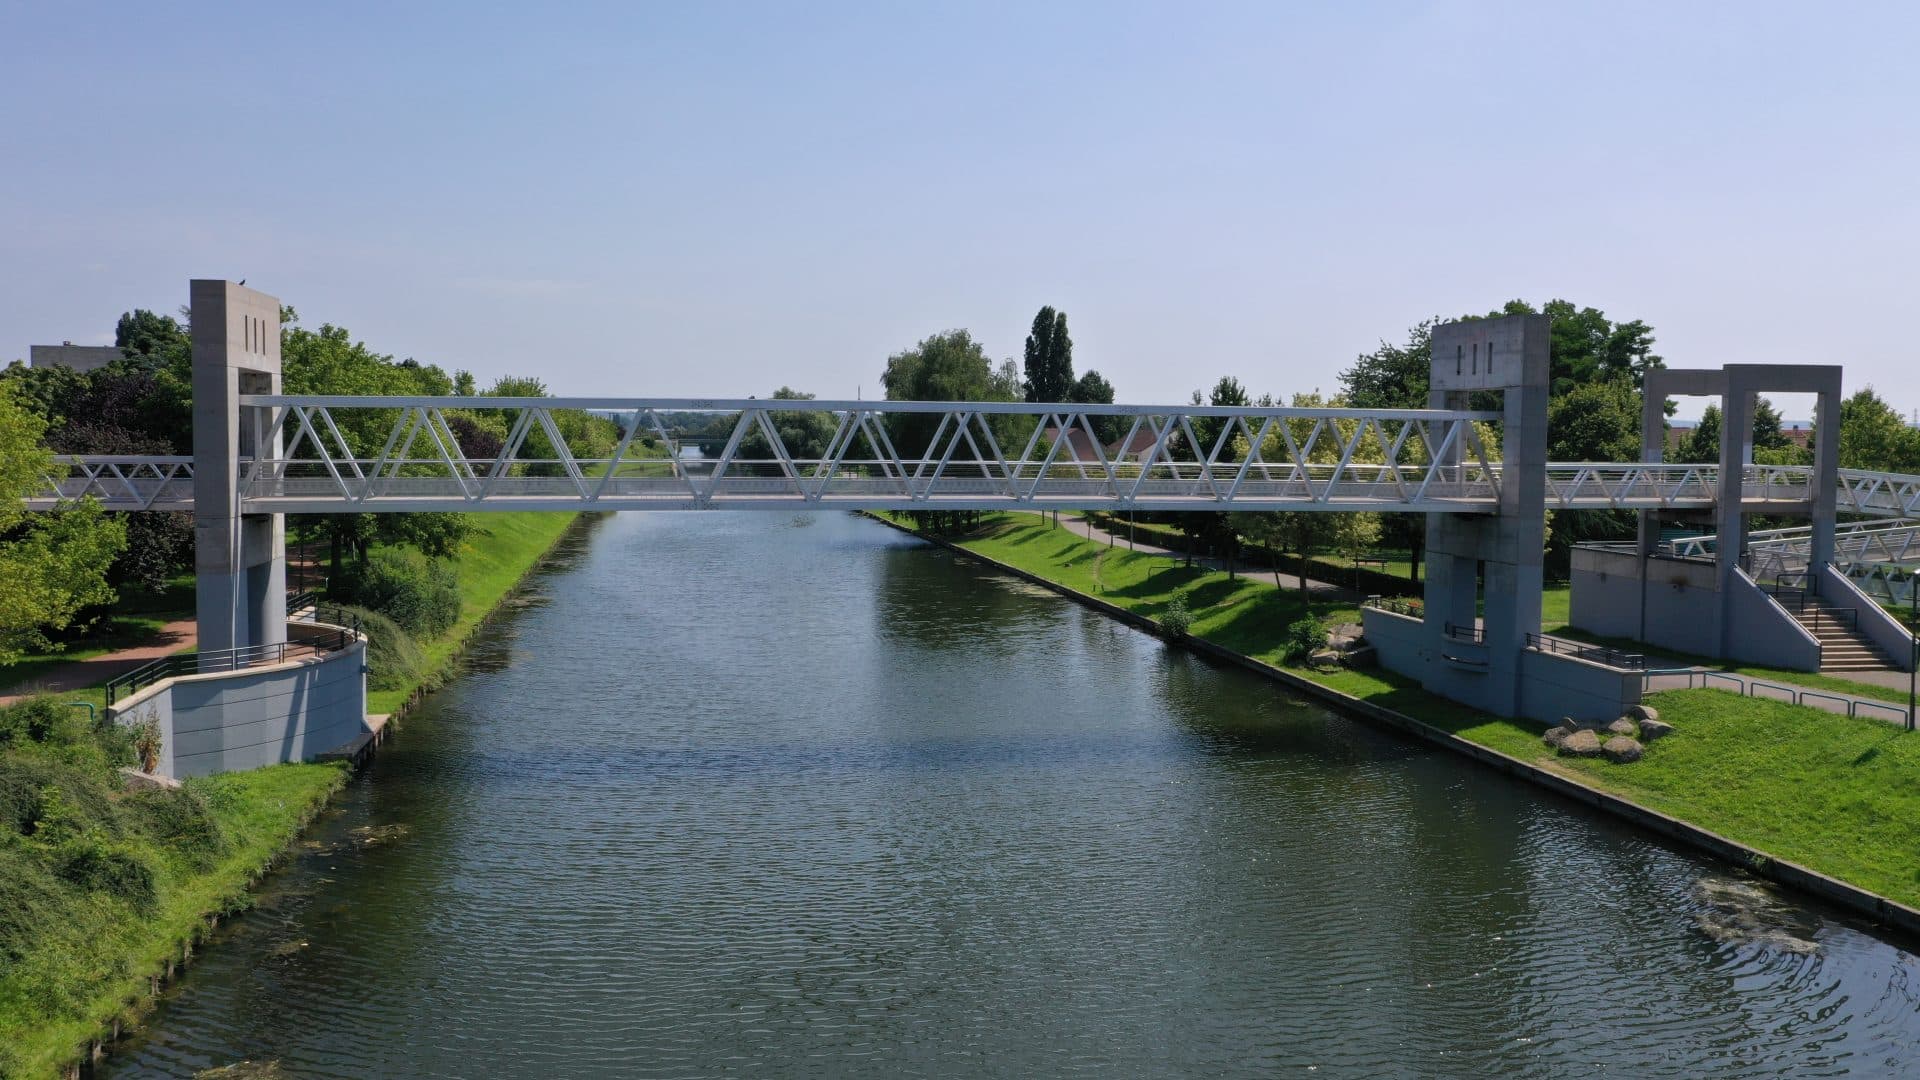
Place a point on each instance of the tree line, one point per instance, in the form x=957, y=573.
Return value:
x=60, y=572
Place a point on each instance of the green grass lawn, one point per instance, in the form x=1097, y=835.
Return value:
x=1835, y=794
x=1245, y=613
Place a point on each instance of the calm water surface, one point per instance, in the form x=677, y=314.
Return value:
x=802, y=796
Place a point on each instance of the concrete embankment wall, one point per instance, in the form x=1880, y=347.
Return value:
x=224, y=721
x=1551, y=686
x=1684, y=610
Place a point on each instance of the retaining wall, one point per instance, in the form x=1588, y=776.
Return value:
x=230, y=720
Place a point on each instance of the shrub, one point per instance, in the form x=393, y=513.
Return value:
x=38, y=793
x=180, y=818
x=1401, y=605
x=395, y=660
x=422, y=595
x=1304, y=638
x=42, y=720
x=1176, y=620
x=29, y=902
x=95, y=865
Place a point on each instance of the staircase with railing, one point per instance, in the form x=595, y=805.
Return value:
x=1842, y=646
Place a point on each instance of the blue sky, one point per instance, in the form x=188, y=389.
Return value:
x=719, y=198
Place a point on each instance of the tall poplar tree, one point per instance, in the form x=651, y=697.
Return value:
x=1048, y=369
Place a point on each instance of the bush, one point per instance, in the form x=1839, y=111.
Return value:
x=95, y=865
x=39, y=794
x=394, y=659
x=180, y=818
x=1304, y=638
x=1176, y=620
x=41, y=720
x=422, y=595
x=29, y=902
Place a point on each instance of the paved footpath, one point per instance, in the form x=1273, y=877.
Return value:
x=173, y=637
x=1773, y=689
x=1320, y=590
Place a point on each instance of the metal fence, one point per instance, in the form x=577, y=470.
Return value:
x=223, y=660
x=1599, y=654
x=1768, y=691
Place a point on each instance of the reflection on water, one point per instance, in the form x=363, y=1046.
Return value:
x=802, y=796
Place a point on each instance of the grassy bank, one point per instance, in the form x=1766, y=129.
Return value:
x=1244, y=613
x=503, y=549
x=1831, y=793
x=103, y=890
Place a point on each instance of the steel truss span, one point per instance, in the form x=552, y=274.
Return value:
x=1882, y=557
x=406, y=456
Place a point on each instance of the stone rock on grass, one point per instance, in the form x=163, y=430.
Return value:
x=1556, y=736
x=1654, y=729
x=1620, y=750
x=1581, y=744
x=1642, y=713
x=1324, y=660
x=1623, y=726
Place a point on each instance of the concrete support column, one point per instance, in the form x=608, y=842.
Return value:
x=239, y=559
x=1826, y=470
x=1730, y=525
x=1510, y=356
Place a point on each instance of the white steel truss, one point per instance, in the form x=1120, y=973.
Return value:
x=965, y=456
x=1881, y=557
x=1878, y=494
x=119, y=482
x=958, y=456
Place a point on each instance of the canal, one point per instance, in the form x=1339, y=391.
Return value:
x=801, y=795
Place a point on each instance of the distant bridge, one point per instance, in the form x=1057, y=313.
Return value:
x=1391, y=460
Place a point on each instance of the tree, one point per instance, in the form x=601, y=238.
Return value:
x=159, y=543
x=1873, y=436
x=805, y=433
x=1393, y=376
x=1770, y=444
x=52, y=565
x=1594, y=421
x=153, y=342
x=1049, y=358
x=1306, y=533
x=948, y=366
x=1092, y=389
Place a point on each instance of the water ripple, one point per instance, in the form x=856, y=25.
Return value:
x=807, y=799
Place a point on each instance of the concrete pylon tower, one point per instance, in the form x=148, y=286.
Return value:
x=239, y=560
x=1509, y=356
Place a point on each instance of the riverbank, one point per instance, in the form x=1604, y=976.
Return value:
x=505, y=550
x=82, y=960
x=1805, y=797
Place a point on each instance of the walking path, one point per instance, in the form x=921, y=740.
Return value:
x=172, y=638
x=1319, y=590
x=1694, y=678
